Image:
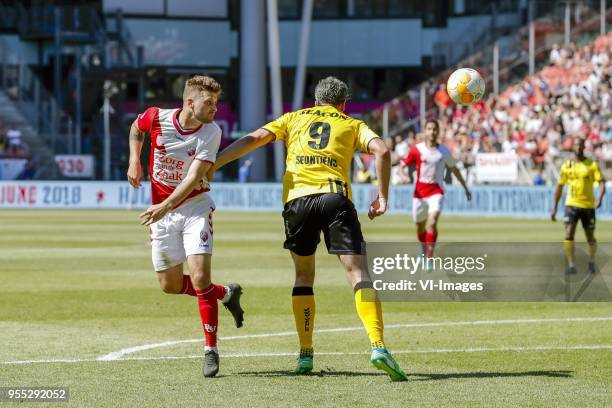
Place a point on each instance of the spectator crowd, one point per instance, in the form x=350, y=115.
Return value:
x=537, y=119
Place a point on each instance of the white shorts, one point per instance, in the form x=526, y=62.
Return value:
x=187, y=230
x=422, y=207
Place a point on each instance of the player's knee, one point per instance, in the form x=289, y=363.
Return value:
x=201, y=280
x=304, y=270
x=304, y=277
x=170, y=287
x=354, y=268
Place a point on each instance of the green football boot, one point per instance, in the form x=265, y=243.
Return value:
x=305, y=364
x=383, y=360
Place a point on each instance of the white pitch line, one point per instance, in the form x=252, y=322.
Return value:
x=117, y=355
x=293, y=354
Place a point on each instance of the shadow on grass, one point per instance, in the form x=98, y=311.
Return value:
x=480, y=374
x=321, y=373
x=411, y=376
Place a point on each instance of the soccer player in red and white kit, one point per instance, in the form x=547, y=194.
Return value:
x=184, y=145
x=430, y=159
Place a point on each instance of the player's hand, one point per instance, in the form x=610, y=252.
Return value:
x=468, y=195
x=553, y=215
x=599, y=203
x=377, y=208
x=153, y=214
x=134, y=174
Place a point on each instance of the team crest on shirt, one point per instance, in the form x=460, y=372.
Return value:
x=203, y=238
x=191, y=152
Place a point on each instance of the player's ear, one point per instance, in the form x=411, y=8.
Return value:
x=189, y=103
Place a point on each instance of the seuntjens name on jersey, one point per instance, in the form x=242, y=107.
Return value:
x=309, y=160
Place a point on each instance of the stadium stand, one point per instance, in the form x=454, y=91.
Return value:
x=539, y=117
x=535, y=116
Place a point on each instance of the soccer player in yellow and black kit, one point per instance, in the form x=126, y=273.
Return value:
x=579, y=174
x=320, y=144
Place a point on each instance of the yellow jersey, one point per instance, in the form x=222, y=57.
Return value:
x=320, y=143
x=580, y=176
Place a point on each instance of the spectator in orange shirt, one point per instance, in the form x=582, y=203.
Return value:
x=441, y=99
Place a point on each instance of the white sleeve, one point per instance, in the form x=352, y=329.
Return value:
x=207, y=149
x=449, y=160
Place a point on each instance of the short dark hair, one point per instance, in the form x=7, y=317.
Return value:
x=331, y=91
x=434, y=121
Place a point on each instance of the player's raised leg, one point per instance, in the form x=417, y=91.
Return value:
x=173, y=281
x=370, y=312
x=168, y=256
x=304, y=309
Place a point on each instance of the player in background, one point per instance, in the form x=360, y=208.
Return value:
x=579, y=173
x=184, y=145
x=430, y=159
x=320, y=144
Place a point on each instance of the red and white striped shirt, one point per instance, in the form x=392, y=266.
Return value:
x=430, y=163
x=173, y=149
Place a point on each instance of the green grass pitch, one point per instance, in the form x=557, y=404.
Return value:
x=78, y=285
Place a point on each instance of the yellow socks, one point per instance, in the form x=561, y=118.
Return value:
x=368, y=309
x=304, y=314
x=370, y=313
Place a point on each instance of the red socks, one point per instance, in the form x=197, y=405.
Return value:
x=209, y=311
x=421, y=236
x=188, y=288
x=430, y=243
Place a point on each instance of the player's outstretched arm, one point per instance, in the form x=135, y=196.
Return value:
x=383, y=171
x=134, y=173
x=243, y=146
x=558, y=192
x=197, y=171
x=461, y=180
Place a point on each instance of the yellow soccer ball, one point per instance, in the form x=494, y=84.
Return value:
x=465, y=86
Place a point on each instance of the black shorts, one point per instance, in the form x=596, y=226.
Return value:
x=585, y=215
x=334, y=214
